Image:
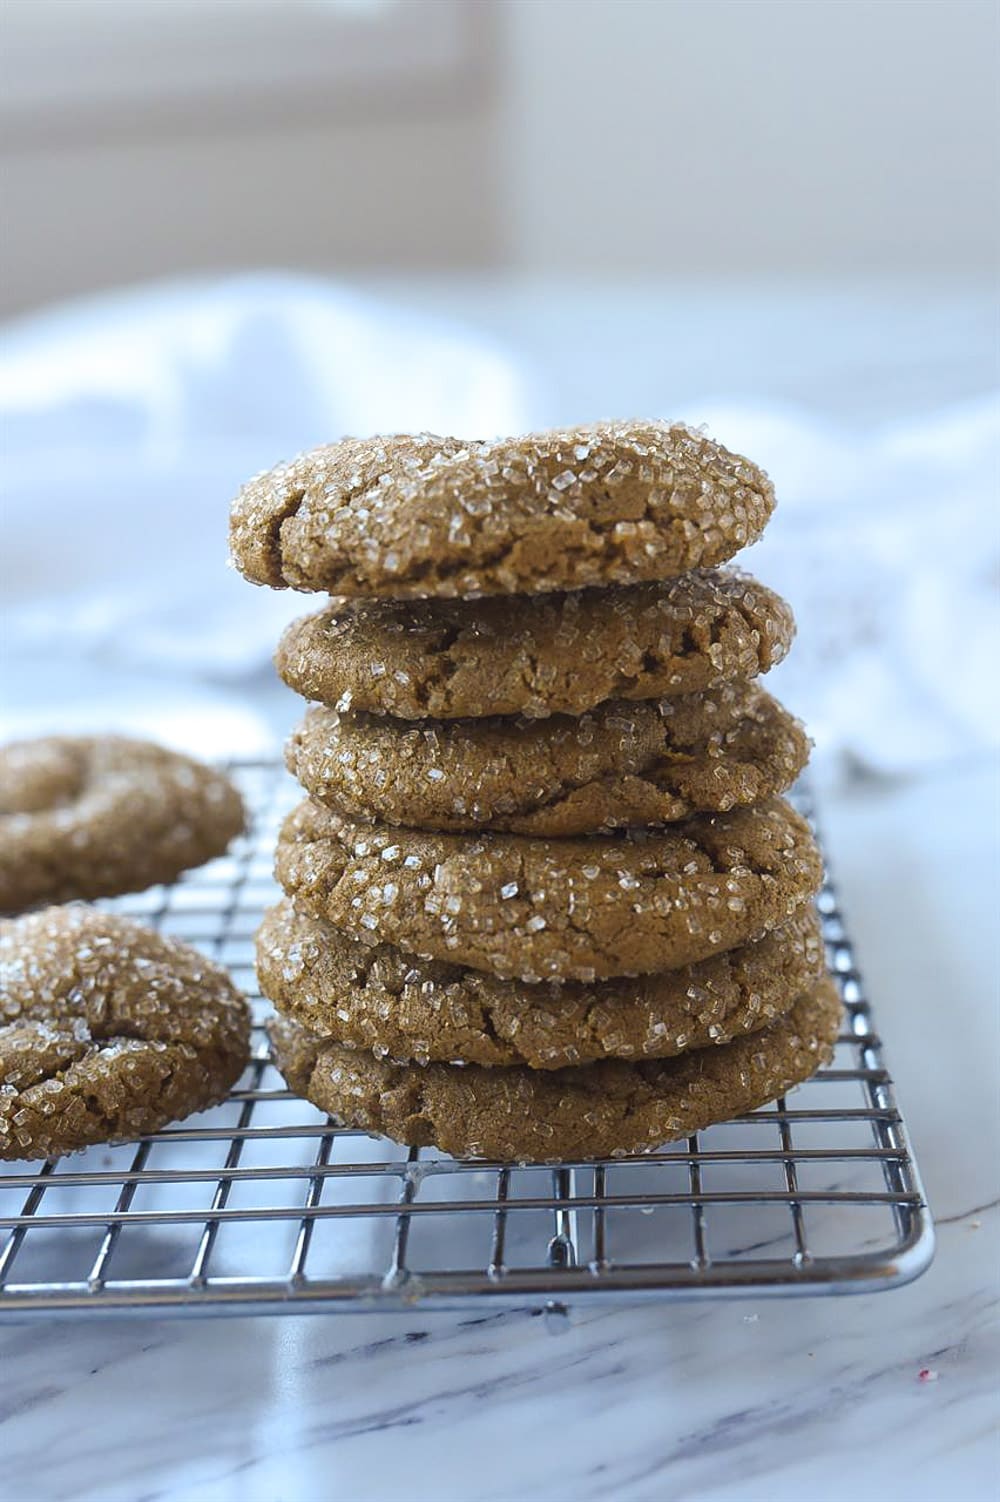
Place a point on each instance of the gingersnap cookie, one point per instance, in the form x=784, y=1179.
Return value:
x=93, y=816
x=412, y=517
x=602, y=1110
x=536, y=654
x=554, y=909
x=108, y=1031
x=411, y=1010
x=622, y=764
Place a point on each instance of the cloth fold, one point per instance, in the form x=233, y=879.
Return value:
x=887, y=546
x=129, y=421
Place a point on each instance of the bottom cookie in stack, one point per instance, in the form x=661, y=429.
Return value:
x=602, y=1110
x=428, y=1052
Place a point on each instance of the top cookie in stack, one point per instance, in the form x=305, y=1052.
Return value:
x=420, y=517
x=538, y=765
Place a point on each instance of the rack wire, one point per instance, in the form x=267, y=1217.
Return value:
x=265, y=1205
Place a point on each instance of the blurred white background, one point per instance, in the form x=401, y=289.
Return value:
x=305, y=217
x=148, y=137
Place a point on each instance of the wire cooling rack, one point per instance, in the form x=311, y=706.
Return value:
x=263, y=1205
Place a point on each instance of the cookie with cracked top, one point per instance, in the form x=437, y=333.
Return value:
x=601, y=1110
x=536, y=654
x=415, y=516
x=108, y=1030
x=554, y=909
x=94, y=816
x=409, y=1010
x=621, y=765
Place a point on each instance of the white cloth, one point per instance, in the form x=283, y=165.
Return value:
x=887, y=546
x=128, y=422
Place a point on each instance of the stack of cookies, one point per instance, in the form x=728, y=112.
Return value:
x=544, y=899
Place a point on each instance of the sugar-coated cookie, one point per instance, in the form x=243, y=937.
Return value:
x=599, y=1110
x=623, y=764
x=108, y=1030
x=411, y=1010
x=93, y=816
x=424, y=516
x=554, y=909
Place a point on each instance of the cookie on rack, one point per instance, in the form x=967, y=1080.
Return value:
x=410, y=1010
x=424, y=516
x=601, y=1110
x=536, y=654
x=621, y=765
x=554, y=909
x=108, y=1030
x=94, y=816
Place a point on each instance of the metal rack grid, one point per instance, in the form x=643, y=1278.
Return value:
x=263, y=1205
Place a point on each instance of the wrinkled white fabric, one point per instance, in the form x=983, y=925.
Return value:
x=128, y=423
x=887, y=545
